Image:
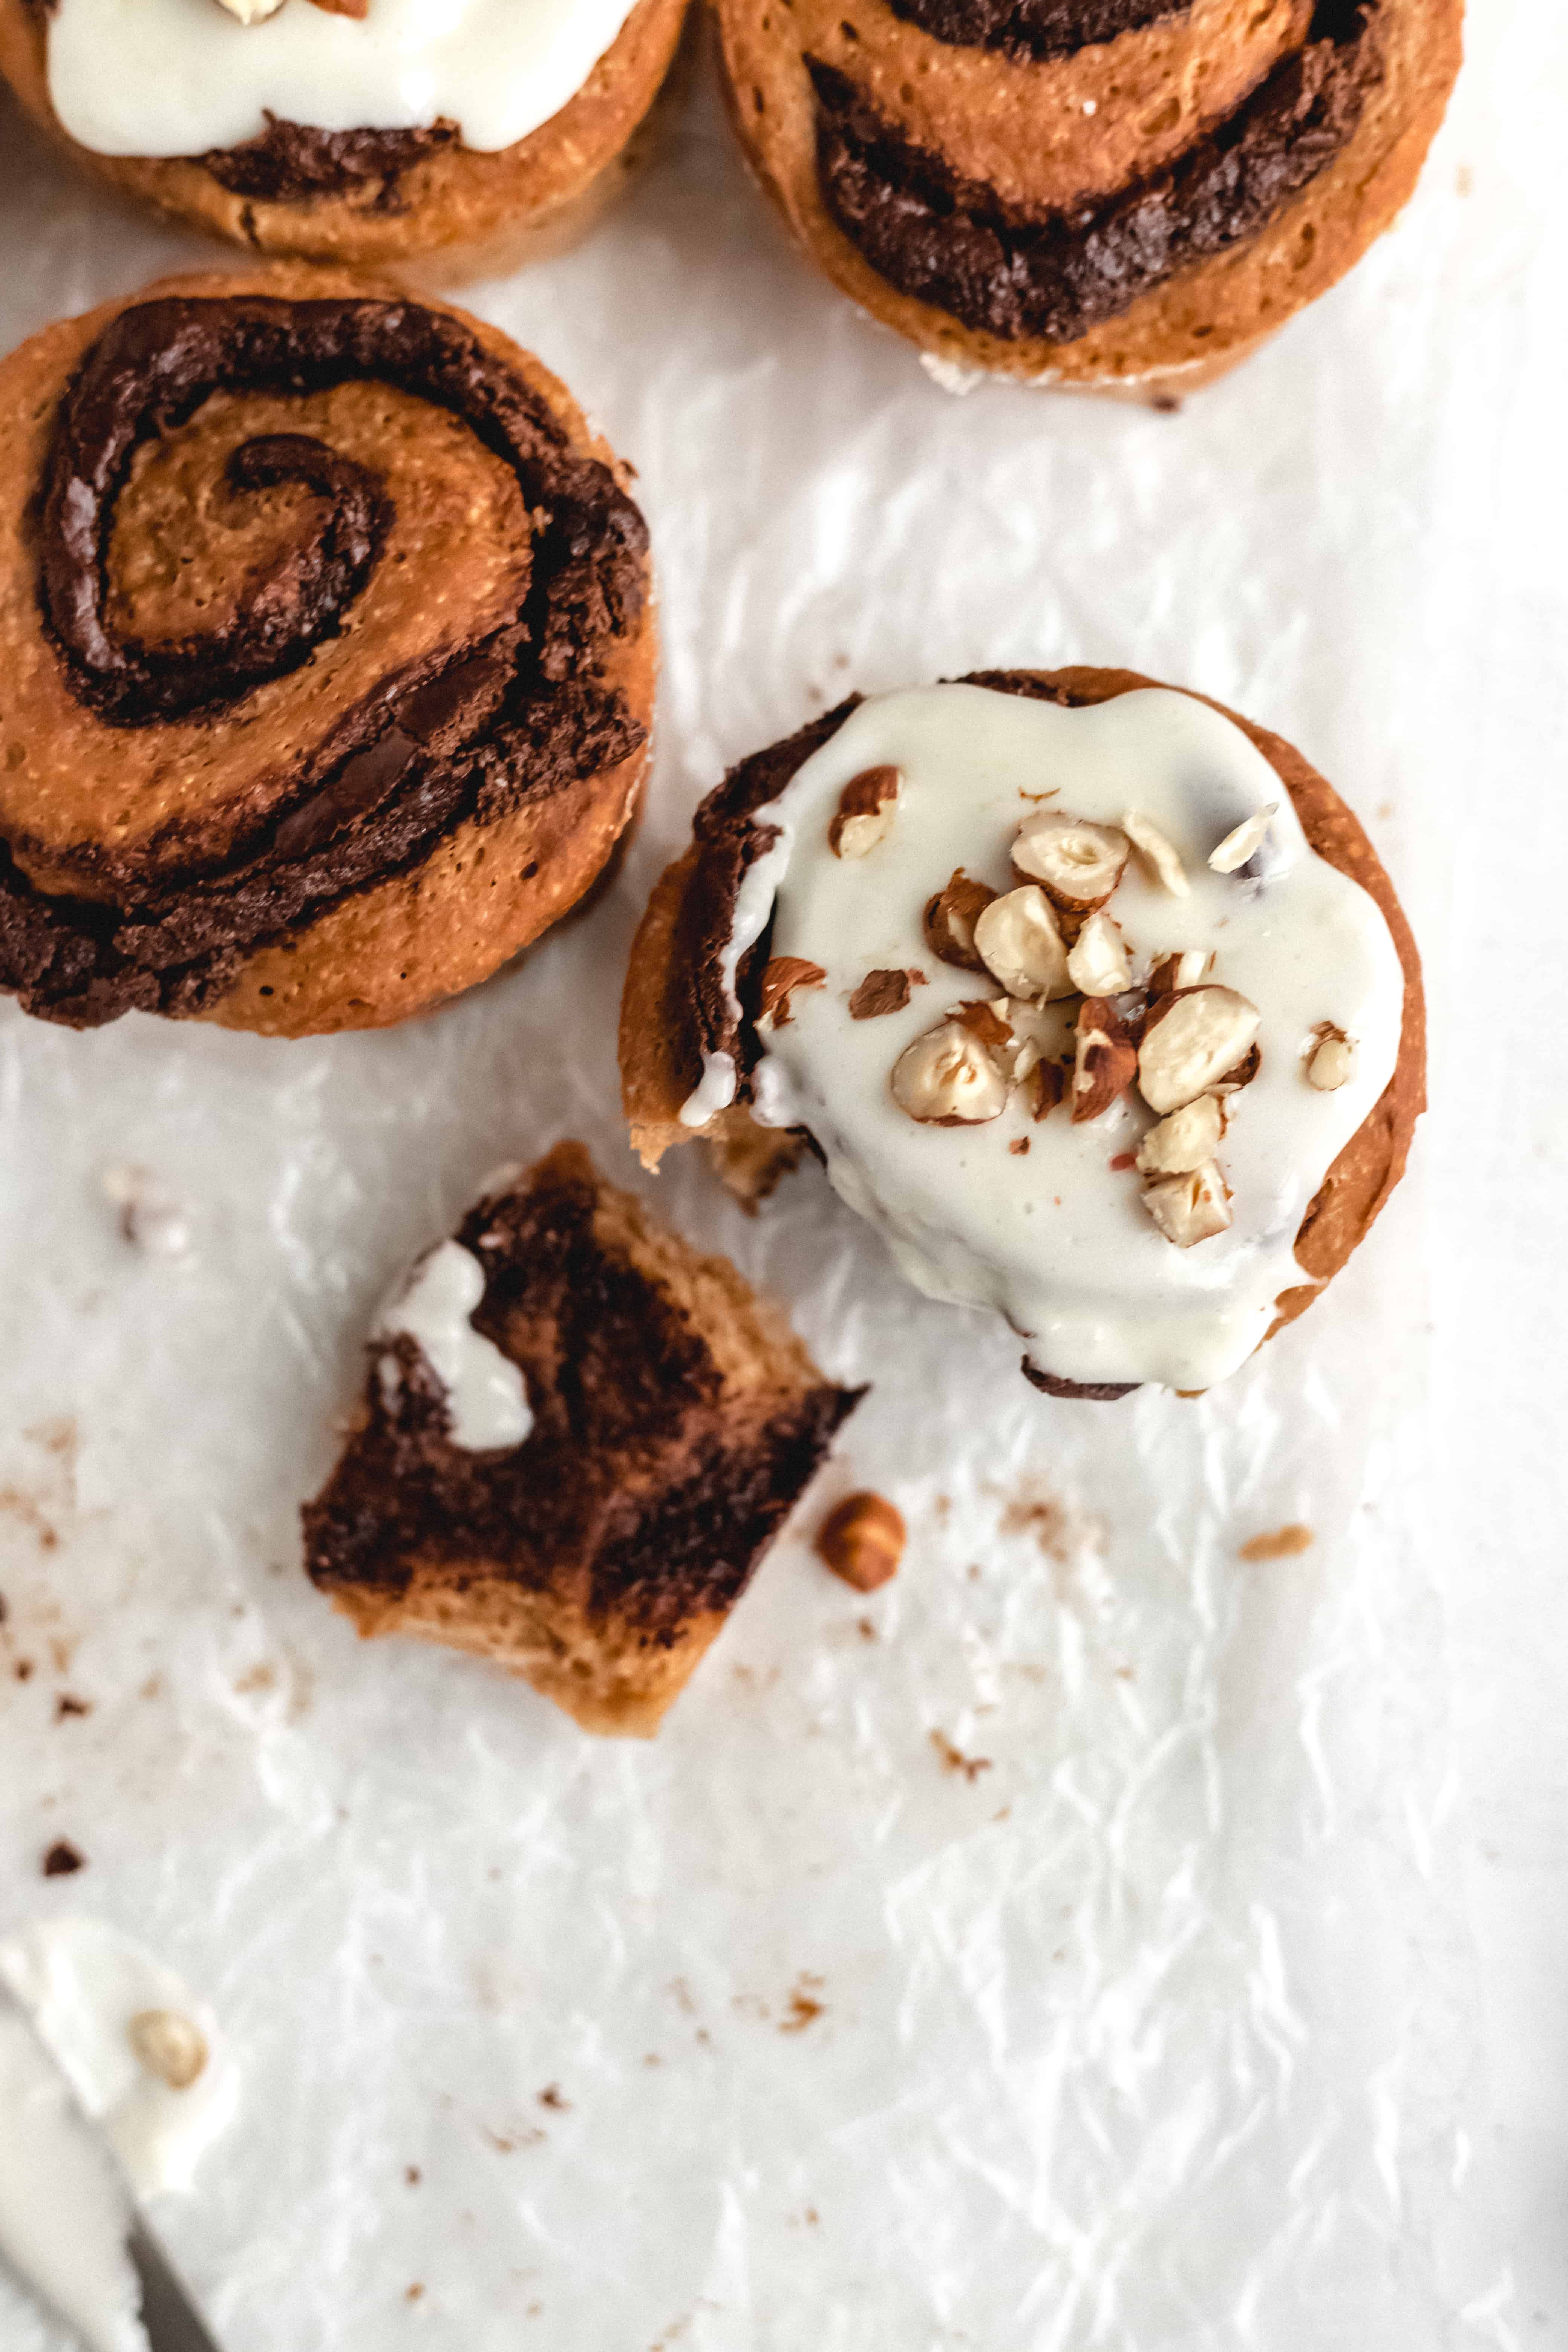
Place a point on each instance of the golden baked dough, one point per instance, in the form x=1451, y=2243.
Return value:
x=161, y=810
x=1044, y=139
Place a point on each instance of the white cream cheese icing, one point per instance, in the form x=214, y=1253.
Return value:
x=1055, y=1239
x=86, y=1990
x=486, y=1394
x=178, y=77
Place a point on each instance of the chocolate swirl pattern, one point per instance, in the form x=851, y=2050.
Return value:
x=318, y=604
x=1103, y=193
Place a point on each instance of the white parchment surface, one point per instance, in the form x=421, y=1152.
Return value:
x=1060, y=1950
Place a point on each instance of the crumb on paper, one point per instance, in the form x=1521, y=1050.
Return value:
x=411, y=2293
x=23, y=1670
x=865, y=1628
x=169, y=2045
x=262, y=1677
x=1018, y=1146
x=27, y=1508
x=1280, y=1543
x=551, y=2097
x=1044, y=1517
x=66, y=1707
x=62, y=1859
x=411, y=2175
x=805, y=2009
x=150, y=1219
x=954, y=1760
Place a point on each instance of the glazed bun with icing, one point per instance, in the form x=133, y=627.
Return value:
x=1099, y=194
x=328, y=641
x=287, y=125
x=1091, y=995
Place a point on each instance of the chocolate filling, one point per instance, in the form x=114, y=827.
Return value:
x=1007, y=271
x=293, y=163
x=639, y=1476
x=1032, y=30
x=474, y=732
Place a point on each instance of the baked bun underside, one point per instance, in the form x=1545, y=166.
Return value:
x=674, y=1007
x=1137, y=210
x=677, y=1420
x=330, y=655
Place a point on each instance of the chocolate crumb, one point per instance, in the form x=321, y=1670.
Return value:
x=62, y=1859
x=954, y=1760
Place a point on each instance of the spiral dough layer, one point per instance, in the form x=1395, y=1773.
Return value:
x=312, y=605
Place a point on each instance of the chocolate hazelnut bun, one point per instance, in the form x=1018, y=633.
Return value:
x=1090, y=193
x=329, y=649
x=359, y=130
x=577, y=1439
x=1092, y=996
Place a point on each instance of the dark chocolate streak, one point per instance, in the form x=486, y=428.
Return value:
x=641, y=1478
x=953, y=243
x=293, y=163
x=473, y=732
x=1031, y=30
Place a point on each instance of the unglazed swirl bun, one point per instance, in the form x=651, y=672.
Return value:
x=1094, y=193
x=374, y=195
x=329, y=656
x=940, y=933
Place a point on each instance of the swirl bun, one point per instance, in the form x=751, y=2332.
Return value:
x=330, y=656
x=136, y=98
x=1094, y=193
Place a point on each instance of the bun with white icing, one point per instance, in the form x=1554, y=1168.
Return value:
x=577, y=1439
x=1093, y=996
x=360, y=131
x=1099, y=194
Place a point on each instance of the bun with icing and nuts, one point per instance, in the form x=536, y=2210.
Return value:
x=1091, y=995
x=328, y=636
x=1099, y=194
x=359, y=130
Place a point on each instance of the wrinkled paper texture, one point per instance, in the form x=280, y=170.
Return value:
x=1060, y=1948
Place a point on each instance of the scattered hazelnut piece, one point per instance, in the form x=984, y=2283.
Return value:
x=950, y=1077
x=1191, y=1041
x=880, y=991
x=862, y=1540
x=252, y=12
x=1331, y=1063
x=1021, y=946
x=1184, y=970
x=1080, y=863
x=1238, y=846
x=867, y=807
x=1098, y=960
x=1246, y=1070
x=171, y=2046
x=1040, y=1032
x=781, y=975
x=1157, y=852
x=1189, y=1208
x=1105, y=1060
x=1184, y=1141
x=1051, y=1084
x=951, y=918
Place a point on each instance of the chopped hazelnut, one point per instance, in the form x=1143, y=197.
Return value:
x=1184, y=1141
x=1241, y=844
x=950, y=1077
x=1157, y=852
x=867, y=807
x=1192, y=1042
x=880, y=991
x=862, y=1540
x=1019, y=942
x=1078, y=862
x=783, y=975
x=1105, y=1061
x=171, y=2046
x=1189, y=1208
x=951, y=918
x=1098, y=960
x=1331, y=1063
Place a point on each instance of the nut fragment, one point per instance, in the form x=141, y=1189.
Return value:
x=862, y=1540
x=1184, y=1141
x=1104, y=1061
x=1098, y=960
x=1247, y=839
x=1040, y=1032
x=1183, y=970
x=1051, y=1081
x=880, y=991
x=1191, y=1041
x=950, y=1077
x=1189, y=1208
x=171, y=2046
x=781, y=975
x=1157, y=852
x=1080, y=863
x=1021, y=946
x=252, y=12
x=867, y=807
x=344, y=7
x=1331, y=1063
x=951, y=918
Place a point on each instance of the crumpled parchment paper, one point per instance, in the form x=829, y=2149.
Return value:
x=1061, y=1949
